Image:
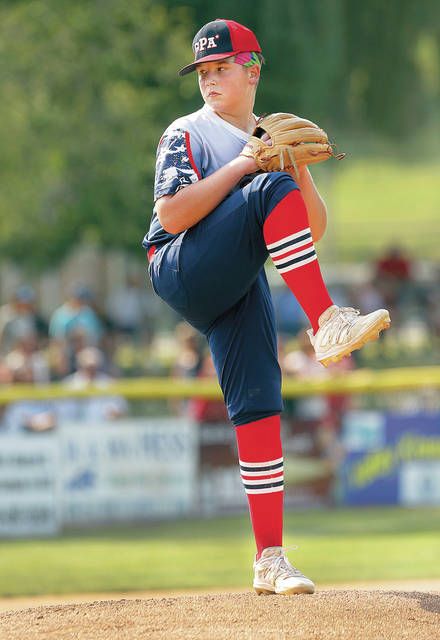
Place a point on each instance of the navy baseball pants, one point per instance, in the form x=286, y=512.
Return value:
x=213, y=275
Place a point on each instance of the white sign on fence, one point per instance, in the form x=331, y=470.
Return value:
x=29, y=497
x=130, y=470
x=419, y=483
x=134, y=469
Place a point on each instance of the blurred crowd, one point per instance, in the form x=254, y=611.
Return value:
x=134, y=334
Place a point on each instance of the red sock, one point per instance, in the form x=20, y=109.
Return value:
x=261, y=467
x=289, y=242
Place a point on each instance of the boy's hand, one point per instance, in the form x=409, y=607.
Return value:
x=247, y=152
x=247, y=161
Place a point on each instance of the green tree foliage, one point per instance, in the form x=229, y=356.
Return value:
x=383, y=73
x=87, y=88
x=304, y=55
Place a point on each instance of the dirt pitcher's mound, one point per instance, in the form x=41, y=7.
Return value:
x=394, y=615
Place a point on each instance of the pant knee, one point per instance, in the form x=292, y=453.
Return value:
x=254, y=416
x=267, y=189
x=261, y=399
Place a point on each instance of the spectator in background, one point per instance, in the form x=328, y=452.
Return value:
x=5, y=374
x=203, y=409
x=73, y=326
x=19, y=319
x=28, y=349
x=301, y=363
x=130, y=311
x=189, y=352
x=289, y=315
x=26, y=415
x=366, y=295
x=75, y=316
x=89, y=372
x=393, y=275
x=188, y=362
x=394, y=264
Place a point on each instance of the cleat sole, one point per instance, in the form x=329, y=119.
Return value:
x=263, y=592
x=296, y=591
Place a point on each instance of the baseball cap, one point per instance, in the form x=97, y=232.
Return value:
x=221, y=39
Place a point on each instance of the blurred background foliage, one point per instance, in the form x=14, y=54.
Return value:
x=88, y=87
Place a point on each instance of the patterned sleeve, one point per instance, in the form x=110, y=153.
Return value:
x=177, y=163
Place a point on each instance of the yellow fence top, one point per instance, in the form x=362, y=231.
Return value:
x=360, y=381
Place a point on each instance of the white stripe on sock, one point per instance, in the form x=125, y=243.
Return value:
x=273, y=245
x=266, y=463
x=255, y=474
x=271, y=490
x=297, y=245
x=298, y=264
x=263, y=480
x=297, y=254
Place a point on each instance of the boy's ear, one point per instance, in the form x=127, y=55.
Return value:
x=254, y=74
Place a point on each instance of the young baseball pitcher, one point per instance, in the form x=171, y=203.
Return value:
x=217, y=218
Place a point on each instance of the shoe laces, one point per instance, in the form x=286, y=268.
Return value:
x=279, y=566
x=341, y=322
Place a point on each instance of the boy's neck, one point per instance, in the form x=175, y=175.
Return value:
x=245, y=122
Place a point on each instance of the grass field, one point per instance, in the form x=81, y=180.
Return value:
x=374, y=202
x=343, y=545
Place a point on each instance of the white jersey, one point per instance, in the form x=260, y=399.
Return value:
x=191, y=148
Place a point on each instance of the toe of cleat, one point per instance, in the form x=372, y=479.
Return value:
x=369, y=337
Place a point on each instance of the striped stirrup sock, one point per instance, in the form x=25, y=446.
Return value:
x=287, y=253
x=262, y=477
x=261, y=469
x=289, y=242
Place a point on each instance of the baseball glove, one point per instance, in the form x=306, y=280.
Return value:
x=283, y=141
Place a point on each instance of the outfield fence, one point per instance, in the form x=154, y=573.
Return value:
x=354, y=382
x=160, y=460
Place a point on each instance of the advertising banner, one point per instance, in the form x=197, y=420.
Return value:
x=96, y=473
x=391, y=459
x=29, y=495
x=135, y=469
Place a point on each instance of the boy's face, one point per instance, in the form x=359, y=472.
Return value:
x=226, y=86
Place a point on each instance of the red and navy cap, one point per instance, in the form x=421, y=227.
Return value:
x=221, y=39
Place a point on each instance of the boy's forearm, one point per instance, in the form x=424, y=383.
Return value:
x=194, y=202
x=316, y=208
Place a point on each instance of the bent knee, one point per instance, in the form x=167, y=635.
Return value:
x=267, y=189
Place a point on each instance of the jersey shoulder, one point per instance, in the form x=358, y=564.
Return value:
x=192, y=122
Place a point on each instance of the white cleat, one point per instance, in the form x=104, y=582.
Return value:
x=343, y=329
x=273, y=573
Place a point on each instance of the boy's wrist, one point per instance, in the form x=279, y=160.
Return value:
x=302, y=171
x=246, y=164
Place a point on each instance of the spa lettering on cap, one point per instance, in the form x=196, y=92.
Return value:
x=205, y=43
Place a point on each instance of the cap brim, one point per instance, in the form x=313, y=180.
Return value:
x=211, y=58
